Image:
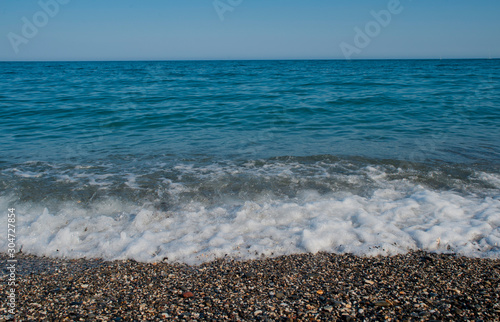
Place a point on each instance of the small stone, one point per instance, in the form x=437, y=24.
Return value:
x=164, y=315
x=258, y=312
x=328, y=308
x=84, y=285
x=369, y=282
x=280, y=295
x=187, y=294
x=320, y=292
x=384, y=303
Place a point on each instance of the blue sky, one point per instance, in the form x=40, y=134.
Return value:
x=250, y=29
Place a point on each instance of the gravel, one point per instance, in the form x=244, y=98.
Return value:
x=416, y=286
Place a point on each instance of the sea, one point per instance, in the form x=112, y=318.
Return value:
x=191, y=161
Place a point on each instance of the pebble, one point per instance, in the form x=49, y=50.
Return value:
x=187, y=294
x=328, y=308
x=384, y=303
x=303, y=287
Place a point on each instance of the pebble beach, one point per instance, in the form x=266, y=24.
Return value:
x=305, y=287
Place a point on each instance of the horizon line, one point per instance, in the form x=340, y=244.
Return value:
x=238, y=59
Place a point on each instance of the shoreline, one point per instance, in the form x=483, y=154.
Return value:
x=414, y=286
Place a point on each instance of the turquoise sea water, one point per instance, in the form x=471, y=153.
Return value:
x=447, y=110
x=298, y=152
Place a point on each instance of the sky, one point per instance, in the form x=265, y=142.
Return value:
x=248, y=29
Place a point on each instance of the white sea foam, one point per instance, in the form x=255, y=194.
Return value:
x=491, y=178
x=396, y=217
x=27, y=174
x=194, y=213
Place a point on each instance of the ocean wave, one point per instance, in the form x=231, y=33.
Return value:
x=196, y=211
